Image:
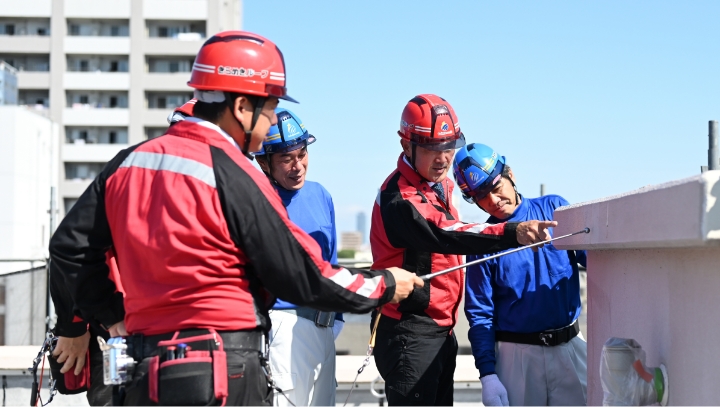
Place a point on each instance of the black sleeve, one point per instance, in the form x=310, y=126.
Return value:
x=405, y=227
x=277, y=258
x=63, y=303
x=78, y=250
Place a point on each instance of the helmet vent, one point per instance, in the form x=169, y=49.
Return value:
x=229, y=38
x=441, y=109
x=418, y=101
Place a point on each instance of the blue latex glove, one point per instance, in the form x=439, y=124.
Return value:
x=337, y=327
x=493, y=392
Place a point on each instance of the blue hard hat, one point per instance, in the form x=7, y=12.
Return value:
x=477, y=170
x=287, y=135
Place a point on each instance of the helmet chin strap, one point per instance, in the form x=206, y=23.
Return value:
x=258, y=102
x=268, y=158
x=412, y=159
x=517, y=196
x=412, y=162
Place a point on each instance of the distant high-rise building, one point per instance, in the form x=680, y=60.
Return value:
x=8, y=84
x=350, y=241
x=360, y=226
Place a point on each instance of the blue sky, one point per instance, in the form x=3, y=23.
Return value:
x=590, y=98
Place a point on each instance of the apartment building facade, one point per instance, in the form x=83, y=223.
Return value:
x=108, y=72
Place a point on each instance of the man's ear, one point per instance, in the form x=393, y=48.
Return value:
x=240, y=105
x=511, y=175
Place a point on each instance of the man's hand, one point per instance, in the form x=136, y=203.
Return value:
x=493, y=391
x=534, y=231
x=72, y=351
x=118, y=330
x=405, y=283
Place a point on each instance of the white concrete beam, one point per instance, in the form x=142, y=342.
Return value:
x=683, y=213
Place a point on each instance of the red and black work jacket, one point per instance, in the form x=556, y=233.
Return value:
x=414, y=229
x=202, y=239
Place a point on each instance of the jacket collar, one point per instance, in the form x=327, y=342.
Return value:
x=409, y=172
x=420, y=183
x=203, y=131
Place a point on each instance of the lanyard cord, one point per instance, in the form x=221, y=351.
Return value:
x=371, y=346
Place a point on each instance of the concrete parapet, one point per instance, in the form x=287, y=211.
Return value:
x=683, y=213
x=654, y=276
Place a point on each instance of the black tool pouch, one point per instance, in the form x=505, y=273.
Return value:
x=68, y=382
x=198, y=379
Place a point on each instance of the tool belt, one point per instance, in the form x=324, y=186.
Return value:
x=546, y=338
x=189, y=367
x=320, y=318
x=145, y=346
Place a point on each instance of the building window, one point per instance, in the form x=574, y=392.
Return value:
x=96, y=135
x=41, y=31
x=9, y=29
x=74, y=29
x=113, y=66
x=83, y=99
x=174, y=66
x=152, y=132
x=69, y=203
x=84, y=65
x=114, y=31
x=82, y=171
x=161, y=102
x=113, y=101
x=162, y=32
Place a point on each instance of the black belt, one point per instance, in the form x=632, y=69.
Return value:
x=320, y=318
x=546, y=338
x=144, y=346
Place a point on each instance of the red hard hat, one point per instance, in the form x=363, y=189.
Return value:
x=430, y=122
x=241, y=62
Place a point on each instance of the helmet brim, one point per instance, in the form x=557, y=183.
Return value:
x=486, y=187
x=448, y=145
x=270, y=149
x=289, y=99
x=311, y=139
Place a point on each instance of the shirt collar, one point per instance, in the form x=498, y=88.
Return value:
x=213, y=126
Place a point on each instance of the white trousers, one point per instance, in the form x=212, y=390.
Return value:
x=543, y=375
x=302, y=359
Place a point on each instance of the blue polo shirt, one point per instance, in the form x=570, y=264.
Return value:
x=523, y=292
x=311, y=208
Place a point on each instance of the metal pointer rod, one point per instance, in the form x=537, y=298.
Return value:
x=495, y=256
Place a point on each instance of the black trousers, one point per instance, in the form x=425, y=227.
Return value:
x=247, y=384
x=418, y=370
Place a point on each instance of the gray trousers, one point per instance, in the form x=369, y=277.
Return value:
x=543, y=375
